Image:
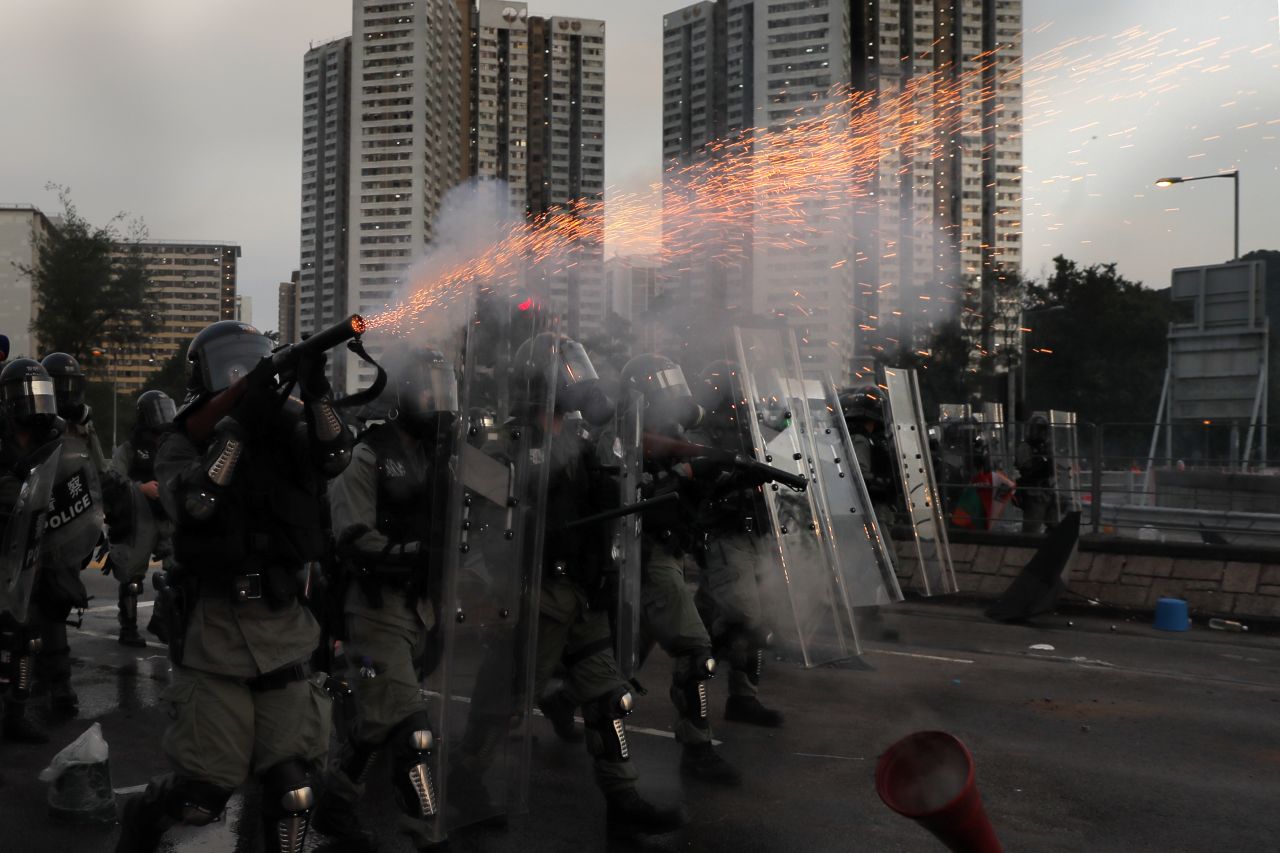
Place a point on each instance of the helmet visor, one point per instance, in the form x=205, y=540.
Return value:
x=157, y=411
x=427, y=389
x=69, y=390
x=30, y=396
x=576, y=364
x=227, y=359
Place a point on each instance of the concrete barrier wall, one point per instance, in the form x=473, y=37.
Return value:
x=1211, y=587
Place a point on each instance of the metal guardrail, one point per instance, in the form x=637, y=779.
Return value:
x=1200, y=494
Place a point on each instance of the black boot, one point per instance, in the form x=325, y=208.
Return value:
x=629, y=814
x=558, y=709
x=18, y=729
x=747, y=709
x=129, y=635
x=337, y=818
x=63, y=700
x=701, y=761
x=141, y=825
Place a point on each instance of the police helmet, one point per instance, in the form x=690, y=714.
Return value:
x=1038, y=427
x=668, y=400
x=26, y=394
x=68, y=383
x=223, y=353
x=155, y=409
x=424, y=390
x=864, y=402
x=550, y=361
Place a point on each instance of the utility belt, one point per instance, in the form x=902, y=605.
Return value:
x=278, y=679
x=277, y=585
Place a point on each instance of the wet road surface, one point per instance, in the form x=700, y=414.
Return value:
x=1127, y=740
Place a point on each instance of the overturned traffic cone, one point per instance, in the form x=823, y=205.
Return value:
x=80, y=789
x=928, y=777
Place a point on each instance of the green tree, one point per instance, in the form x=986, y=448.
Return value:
x=1097, y=345
x=91, y=285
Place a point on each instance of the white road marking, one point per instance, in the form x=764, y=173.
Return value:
x=824, y=755
x=921, y=657
x=151, y=641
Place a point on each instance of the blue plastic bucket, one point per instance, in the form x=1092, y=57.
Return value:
x=1171, y=615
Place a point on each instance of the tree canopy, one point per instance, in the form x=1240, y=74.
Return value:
x=91, y=285
x=1097, y=344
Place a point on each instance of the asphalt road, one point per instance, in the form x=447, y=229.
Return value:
x=1114, y=740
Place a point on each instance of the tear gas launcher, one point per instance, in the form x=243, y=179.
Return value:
x=199, y=425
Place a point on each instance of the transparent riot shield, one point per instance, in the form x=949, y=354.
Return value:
x=1066, y=460
x=991, y=425
x=489, y=571
x=75, y=520
x=853, y=533
x=628, y=456
x=23, y=535
x=819, y=606
x=133, y=539
x=919, y=485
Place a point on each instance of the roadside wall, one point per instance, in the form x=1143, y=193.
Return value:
x=1211, y=587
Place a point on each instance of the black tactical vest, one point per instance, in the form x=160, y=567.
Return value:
x=408, y=490
x=272, y=514
x=142, y=461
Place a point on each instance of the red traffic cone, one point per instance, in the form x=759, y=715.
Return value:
x=928, y=777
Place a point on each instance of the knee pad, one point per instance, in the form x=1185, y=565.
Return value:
x=287, y=799
x=193, y=802
x=412, y=743
x=131, y=589
x=743, y=650
x=602, y=718
x=689, y=685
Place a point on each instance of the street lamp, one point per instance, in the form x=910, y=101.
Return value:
x=1234, y=175
x=99, y=352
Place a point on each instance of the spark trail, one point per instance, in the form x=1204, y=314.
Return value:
x=782, y=188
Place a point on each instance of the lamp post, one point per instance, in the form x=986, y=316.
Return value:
x=98, y=352
x=1234, y=175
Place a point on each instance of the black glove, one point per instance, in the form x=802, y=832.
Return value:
x=312, y=383
x=260, y=399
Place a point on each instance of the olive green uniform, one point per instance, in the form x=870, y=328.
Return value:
x=234, y=713
x=388, y=631
x=731, y=592
x=1037, y=497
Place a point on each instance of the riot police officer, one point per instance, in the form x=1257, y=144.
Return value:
x=243, y=476
x=728, y=552
x=138, y=520
x=30, y=429
x=383, y=507
x=69, y=389
x=669, y=613
x=863, y=409
x=576, y=597
x=1035, y=494
x=74, y=528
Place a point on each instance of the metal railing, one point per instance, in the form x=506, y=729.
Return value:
x=1200, y=493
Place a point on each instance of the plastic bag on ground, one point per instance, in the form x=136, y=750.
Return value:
x=81, y=780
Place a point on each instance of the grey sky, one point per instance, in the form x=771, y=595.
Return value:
x=188, y=114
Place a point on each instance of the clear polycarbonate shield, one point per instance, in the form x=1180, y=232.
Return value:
x=819, y=610
x=629, y=457
x=132, y=545
x=991, y=426
x=24, y=533
x=934, y=574
x=493, y=524
x=74, y=523
x=1066, y=459
x=860, y=547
